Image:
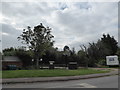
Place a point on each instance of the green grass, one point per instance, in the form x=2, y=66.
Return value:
x=48, y=73
x=117, y=67
x=0, y=74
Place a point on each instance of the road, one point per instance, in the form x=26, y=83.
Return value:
x=101, y=82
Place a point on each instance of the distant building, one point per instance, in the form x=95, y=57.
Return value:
x=11, y=61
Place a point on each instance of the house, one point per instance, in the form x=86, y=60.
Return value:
x=11, y=61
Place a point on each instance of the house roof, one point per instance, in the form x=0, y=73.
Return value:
x=11, y=58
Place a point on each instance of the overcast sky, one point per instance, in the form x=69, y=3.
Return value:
x=72, y=23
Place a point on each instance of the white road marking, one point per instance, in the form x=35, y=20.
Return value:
x=86, y=85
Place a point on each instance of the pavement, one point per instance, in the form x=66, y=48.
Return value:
x=63, y=78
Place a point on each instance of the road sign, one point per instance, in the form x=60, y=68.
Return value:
x=112, y=60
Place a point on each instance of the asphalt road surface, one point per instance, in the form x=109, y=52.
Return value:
x=101, y=82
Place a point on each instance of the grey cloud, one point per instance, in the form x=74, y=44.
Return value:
x=72, y=24
x=18, y=9
x=10, y=40
x=6, y=28
x=25, y=9
x=89, y=26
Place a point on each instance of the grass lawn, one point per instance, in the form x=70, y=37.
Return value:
x=0, y=74
x=117, y=67
x=49, y=73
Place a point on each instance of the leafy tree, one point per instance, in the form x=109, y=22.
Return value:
x=9, y=51
x=90, y=55
x=73, y=51
x=25, y=57
x=66, y=48
x=109, y=44
x=50, y=55
x=94, y=54
x=97, y=52
x=38, y=40
x=73, y=55
x=66, y=54
x=83, y=56
x=118, y=53
x=82, y=59
x=60, y=57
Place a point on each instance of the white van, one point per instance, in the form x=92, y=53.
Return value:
x=112, y=60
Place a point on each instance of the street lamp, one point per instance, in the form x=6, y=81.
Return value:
x=41, y=62
x=32, y=60
x=41, y=59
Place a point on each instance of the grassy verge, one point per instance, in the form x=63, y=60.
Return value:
x=117, y=67
x=0, y=74
x=49, y=73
